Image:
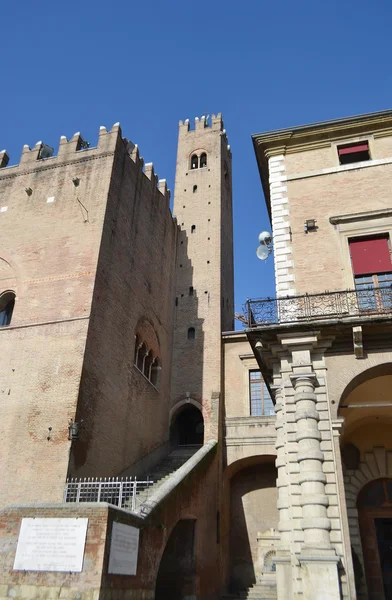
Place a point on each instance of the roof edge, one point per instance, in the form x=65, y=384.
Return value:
x=320, y=125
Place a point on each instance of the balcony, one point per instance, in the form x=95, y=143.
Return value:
x=364, y=304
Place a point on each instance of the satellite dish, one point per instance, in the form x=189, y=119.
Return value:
x=263, y=252
x=265, y=238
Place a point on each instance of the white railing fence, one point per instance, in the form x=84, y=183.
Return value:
x=124, y=492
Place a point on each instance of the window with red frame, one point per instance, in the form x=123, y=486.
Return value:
x=372, y=268
x=353, y=153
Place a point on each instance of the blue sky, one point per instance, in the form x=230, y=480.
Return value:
x=73, y=66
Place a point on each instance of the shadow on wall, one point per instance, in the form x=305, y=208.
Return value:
x=187, y=423
x=253, y=509
x=176, y=575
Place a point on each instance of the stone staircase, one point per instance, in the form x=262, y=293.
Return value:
x=258, y=591
x=164, y=470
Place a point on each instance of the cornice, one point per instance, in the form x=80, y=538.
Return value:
x=326, y=131
x=361, y=216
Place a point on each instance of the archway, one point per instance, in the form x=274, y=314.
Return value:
x=250, y=509
x=366, y=451
x=375, y=520
x=187, y=428
x=176, y=574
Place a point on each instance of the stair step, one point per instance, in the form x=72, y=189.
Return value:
x=264, y=591
x=165, y=469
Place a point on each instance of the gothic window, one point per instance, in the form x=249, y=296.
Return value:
x=141, y=356
x=7, y=303
x=155, y=372
x=147, y=365
x=137, y=348
x=194, y=161
x=203, y=160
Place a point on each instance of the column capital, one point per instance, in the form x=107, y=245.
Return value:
x=306, y=375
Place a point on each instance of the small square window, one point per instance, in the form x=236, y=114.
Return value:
x=352, y=153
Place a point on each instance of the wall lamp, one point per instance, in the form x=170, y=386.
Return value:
x=310, y=225
x=75, y=181
x=28, y=191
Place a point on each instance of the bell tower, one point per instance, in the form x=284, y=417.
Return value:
x=204, y=270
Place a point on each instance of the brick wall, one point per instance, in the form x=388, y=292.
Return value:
x=48, y=255
x=124, y=416
x=322, y=196
x=204, y=262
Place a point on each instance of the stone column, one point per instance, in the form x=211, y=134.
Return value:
x=318, y=559
x=283, y=555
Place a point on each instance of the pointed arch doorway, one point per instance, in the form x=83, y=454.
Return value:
x=187, y=427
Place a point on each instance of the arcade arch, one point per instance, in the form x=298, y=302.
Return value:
x=366, y=451
x=249, y=509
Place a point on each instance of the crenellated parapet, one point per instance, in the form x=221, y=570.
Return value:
x=42, y=156
x=4, y=159
x=214, y=122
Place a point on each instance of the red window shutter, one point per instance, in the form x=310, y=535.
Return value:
x=370, y=256
x=363, y=147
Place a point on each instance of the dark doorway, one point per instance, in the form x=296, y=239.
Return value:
x=188, y=427
x=384, y=543
x=176, y=574
x=375, y=519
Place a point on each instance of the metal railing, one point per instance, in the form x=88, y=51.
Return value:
x=124, y=492
x=365, y=303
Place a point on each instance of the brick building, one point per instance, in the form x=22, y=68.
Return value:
x=130, y=406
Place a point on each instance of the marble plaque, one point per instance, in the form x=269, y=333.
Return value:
x=51, y=545
x=124, y=549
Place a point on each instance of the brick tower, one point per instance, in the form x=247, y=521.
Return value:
x=204, y=283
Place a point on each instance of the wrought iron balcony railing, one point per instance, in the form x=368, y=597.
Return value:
x=365, y=303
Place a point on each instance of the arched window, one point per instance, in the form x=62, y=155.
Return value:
x=203, y=160
x=191, y=333
x=194, y=188
x=141, y=356
x=7, y=303
x=193, y=228
x=147, y=365
x=194, y=161
x=155, y=372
